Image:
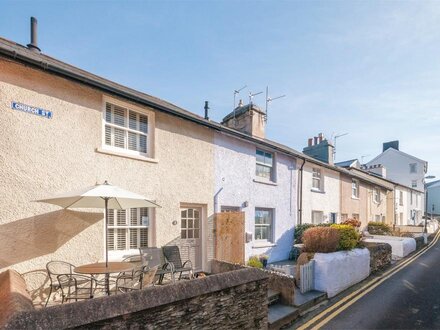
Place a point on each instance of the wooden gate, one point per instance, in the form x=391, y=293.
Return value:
x=230, y=237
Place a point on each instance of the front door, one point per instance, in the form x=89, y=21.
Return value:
x=190, y=235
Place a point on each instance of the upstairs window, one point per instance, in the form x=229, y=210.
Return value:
x=355, y=188
x=317, y=180
x=401, y=198
x=264, y=165
x=376, y=195
x=414, y=183
x=126, y=129
x=413, y=168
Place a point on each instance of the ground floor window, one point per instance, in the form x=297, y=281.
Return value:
x=263, y=224
x=401, y=218
x=377, y=218
x=317, y=217
x=356, y=216
x=344, y=217
x=128, y=229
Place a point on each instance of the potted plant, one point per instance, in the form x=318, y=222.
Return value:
x=263, y=259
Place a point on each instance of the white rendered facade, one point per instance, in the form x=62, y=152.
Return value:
x=238, y=187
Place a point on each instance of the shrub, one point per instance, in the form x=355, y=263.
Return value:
x=299, y=231
x=379, y=228
x=321, y=239
x=352, y=222
x=255, y=262
x=349, y=237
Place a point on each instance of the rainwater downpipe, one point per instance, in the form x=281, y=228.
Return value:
x=300, y=194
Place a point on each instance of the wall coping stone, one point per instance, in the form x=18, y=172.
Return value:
x=103, y=308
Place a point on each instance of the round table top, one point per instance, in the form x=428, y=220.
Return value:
x=100, y=268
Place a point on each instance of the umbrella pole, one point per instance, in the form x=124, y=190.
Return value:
x=106, y=232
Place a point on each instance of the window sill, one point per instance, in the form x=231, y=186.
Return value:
x=356, y=198
x=260, y=245
x=270, y=183
x=317, y=191
x=125, y=155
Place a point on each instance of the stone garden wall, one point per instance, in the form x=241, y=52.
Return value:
x=235, y=299
x=380, y=256
x=282, y=283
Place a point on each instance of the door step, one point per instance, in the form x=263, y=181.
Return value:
x=307, y=300
x=272, y=296
x=280, y=315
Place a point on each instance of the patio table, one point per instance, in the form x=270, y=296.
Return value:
x=100, y=268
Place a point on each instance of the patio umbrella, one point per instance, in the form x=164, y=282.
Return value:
x=104, y=196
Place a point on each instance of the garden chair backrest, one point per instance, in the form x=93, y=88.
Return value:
x=172, y=254
x=55, y=268
x=151, y=257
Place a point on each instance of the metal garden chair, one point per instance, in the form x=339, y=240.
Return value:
x=172, y=255
x=152, y=257
x=56, y=268
x=141, y=279
x=73, y=287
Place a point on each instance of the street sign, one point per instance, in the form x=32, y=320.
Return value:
x=32, y=110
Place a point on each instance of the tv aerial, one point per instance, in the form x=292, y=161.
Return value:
x=270, y=99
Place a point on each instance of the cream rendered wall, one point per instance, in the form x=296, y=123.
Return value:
x=40, y=157
x=237, y=185
x=351, y=205
x=327, y=201
x=374, y=208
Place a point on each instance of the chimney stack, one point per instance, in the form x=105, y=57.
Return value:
x=34, y=42
x=319, y=148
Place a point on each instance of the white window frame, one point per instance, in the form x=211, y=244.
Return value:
x=400, y=197
x=128, y=227
x=355, y=188
x=270, y=226
x=376, y=195
x=138, y=110
x=317, y=177
x=413, y=183
x=263, y=164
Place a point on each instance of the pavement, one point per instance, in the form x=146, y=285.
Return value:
x=405, y=297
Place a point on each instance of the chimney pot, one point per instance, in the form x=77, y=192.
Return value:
x=315, y=140
x=310, y=142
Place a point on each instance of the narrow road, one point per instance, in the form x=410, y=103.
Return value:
x=410, y=299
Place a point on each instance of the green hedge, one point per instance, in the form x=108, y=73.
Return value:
x=349, y=238
x=379, y=228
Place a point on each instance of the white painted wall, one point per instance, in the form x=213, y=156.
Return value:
x=235, y=185
x=327, y=200
x=409, y=208
x=397, y=167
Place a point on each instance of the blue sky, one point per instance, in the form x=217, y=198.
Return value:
x=367, y=68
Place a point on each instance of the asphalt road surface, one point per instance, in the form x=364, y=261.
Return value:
x=410, y=299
